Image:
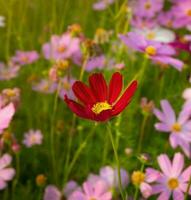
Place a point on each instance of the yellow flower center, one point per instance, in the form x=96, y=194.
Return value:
x=101, y=106
x=33, y=139
x=25, y=59
x=147, y=5
x=137, y=177
x=189, y=12
x=66, y=86
x=61, y=49
x=150, y=50
x=92, y=198
x=173, y=183
x=151, y=35
x=10, y=93
x=176, y=127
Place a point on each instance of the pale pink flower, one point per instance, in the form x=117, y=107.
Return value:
x=143, y=180
x=172, y=180
x=25, y=57
x=102, y=4
x=6, y=173
x=8, y=71
x=179, y=128
x=98, y=191
x=33, y=137
x=61, y=47
x=53, y=193
x=6, y=115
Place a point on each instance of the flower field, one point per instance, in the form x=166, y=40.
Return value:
x=95, y=99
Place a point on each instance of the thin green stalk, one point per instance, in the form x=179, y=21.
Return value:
x=187, y=190
x=9, y=26
x=78, y=152
x=116, y=158
x=52, y=135
x=142, y=133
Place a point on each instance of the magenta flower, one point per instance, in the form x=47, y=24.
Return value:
x=182, y=12
x=61, y=47
x=167, y=19
x=102, y=4
x=25, y=57
x=179, y=128
x=6, y=173
x=96, y=191
x=6, y=115
x=52, y=193
x=147, y=8
x=33, y=137
x=172, y=180
x=98, y=62
x=156, y=51
x=8, y=72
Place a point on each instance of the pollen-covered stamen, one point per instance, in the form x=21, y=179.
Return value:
x=176, y=127
x=189, y=12
x=24, y=59
x=150, y=50
x=101, y=106
x=151, y=35
x=92, y=198
x=61, y=49
x=137, y=177
x=173, y=183
x=147, y=5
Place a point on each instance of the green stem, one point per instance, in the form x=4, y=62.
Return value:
x=187, y=190
x=9, y=26
x=78, y=152
x=142, y=133
x=116, y=158
x=52, y=135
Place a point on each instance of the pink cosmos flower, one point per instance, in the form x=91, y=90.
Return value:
x=97, y=62
x=156, y=51
x=147, y=8
x=45, y=86
x=6, y=115
x=25, y=57
x=8, y=72
x=33, y=137
x=167, y=19
x=102, y=4
x=52, y=192
x=61, y=47
x=110, y=175
x=98, y=191
x=179, y=128
x=182, y=12
x=172, y=180
x=66, y=87
x=6, y=173
x=143, y=180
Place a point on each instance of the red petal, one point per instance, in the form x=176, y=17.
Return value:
x=124, y=99
x=115, y=87
x=103, y=116
x=78, y=109
x=83, y=93
x=99, y=87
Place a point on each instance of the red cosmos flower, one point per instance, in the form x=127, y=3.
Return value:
x=100, y=102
